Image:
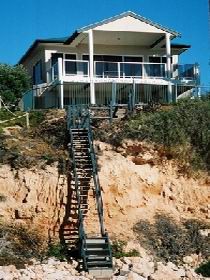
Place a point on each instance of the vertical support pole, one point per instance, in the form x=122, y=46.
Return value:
x=118, y=70
x=0, y=103
x=60, y=78
x=91, y=67
x=168, y=66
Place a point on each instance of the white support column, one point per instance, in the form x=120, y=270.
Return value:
x=91, y=67
x=168, y=66
x=60, y=78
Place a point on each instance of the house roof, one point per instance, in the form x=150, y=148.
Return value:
x=69, y=39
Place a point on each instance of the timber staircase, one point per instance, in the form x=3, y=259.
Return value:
x=92, y=239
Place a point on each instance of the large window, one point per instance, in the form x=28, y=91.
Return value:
x=70, y=66
x=54, y=57
x=109, y=66
x=37, y=73
x=132, y=69
x=156, y=68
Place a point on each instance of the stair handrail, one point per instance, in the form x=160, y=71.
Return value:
x=99, y=200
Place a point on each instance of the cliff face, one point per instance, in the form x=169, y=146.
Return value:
x=35, y=197
x=135, y=186
x=138, y=183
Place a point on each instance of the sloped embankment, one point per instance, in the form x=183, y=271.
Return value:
x=137, y=183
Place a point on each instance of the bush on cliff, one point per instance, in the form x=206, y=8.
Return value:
x=19, y=244
x=170, y=241
x=183, y=128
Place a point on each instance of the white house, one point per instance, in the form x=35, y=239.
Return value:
x=106, y=62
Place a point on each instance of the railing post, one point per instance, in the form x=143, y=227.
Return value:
x=118, y=69
x=142, y=70
x=27, y=120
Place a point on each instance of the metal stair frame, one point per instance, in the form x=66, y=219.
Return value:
x=79, y=120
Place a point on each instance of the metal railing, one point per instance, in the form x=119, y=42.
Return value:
x=186, y=71
x=52, y=73
x=110, y=69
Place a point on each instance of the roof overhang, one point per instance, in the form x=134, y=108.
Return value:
x=179, y=48
x=37, y=42
x=118, y=30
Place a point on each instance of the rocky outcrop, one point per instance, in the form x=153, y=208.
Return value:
x=145, y=268
x=135, y=268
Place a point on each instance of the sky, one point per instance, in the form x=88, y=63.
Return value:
x=23, y=21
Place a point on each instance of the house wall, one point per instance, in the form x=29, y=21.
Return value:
x=35, y=56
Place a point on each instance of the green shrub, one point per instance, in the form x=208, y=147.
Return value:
x=58, y=251
x=185, y=124
x=36, y=118
x=118, y=250
x=170, y=241
x=204, y=269
x=18, y=244
x=14, y=81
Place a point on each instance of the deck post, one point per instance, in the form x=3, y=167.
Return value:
x=168, y=66
x=91, y=67
x=60, y=78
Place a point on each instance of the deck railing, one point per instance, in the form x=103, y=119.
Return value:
x=186, y=71
x=121, y=70
x=76, y=67
x=52, y=73
x=110, y=69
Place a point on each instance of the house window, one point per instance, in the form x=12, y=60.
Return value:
x=70, y=56
x=54, y=57
x=106, y=65
x=133, y=58
x=37, y=73
x=131, y=69
x=156, y=70
x=70, y=66
x=107, y=58
x=159, y=59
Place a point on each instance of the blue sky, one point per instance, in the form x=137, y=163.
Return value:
x=23, y=21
